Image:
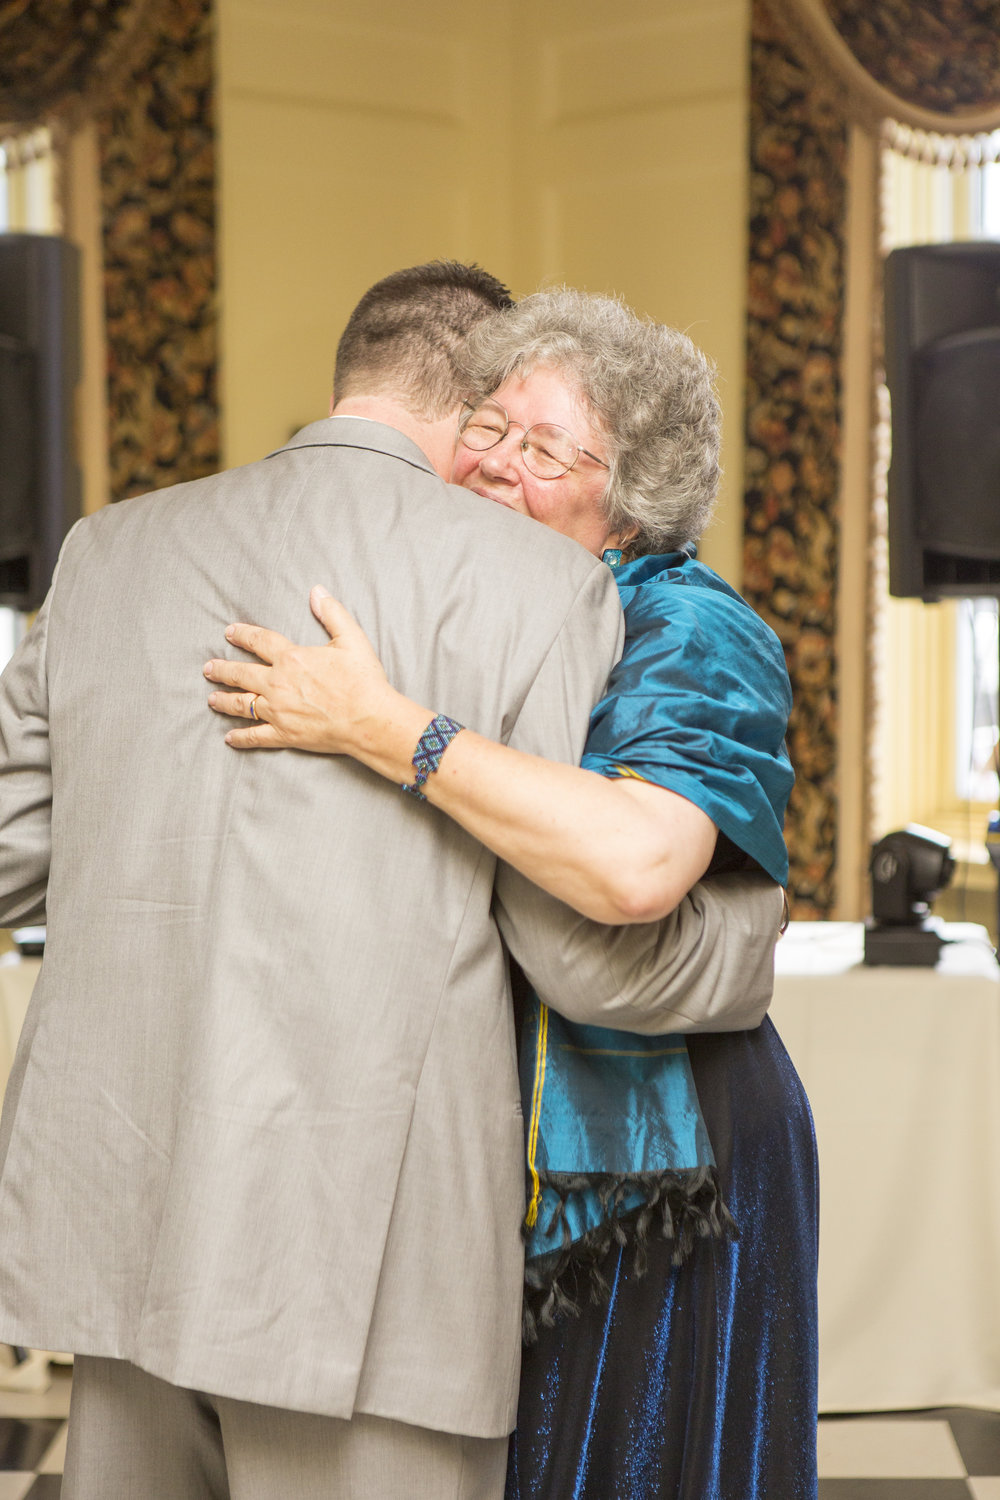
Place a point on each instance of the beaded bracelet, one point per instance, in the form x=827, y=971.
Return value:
x=430, y=747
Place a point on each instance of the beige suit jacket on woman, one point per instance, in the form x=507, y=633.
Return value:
x=263, y=1134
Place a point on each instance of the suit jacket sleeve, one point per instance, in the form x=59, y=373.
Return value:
x=708, y=966
x=25, y=780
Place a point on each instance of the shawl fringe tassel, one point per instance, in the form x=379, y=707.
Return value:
x=679, y=1206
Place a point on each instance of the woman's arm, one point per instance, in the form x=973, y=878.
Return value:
x=618, y=851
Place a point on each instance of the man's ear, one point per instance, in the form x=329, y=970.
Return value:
x=440, y=440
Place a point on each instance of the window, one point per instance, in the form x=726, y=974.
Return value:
x=978, y=677
x=936, y=740
x=11, y=630
x=27, y=201
x=976, y=682
x=27, y=183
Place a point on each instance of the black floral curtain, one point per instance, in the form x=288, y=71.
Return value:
x=158, y=200
x=798, y=195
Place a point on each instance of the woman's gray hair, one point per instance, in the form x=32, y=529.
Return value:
x=649, y=388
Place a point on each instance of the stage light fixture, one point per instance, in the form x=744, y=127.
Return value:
x=909, y=869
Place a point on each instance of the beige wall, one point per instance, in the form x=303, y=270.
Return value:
x=549, y=143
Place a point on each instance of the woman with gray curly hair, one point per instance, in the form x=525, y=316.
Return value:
x=671, y=1188
x=652, y=391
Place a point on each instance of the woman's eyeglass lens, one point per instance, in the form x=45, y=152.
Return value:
x=549, y=451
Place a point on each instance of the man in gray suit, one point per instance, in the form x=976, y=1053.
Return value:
x=260, y=1157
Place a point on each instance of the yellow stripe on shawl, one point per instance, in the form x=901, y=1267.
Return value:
x=541, y=1050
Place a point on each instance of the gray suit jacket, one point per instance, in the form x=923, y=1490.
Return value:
x=263, y=1134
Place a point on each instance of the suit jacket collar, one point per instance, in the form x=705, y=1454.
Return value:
x=358, y=432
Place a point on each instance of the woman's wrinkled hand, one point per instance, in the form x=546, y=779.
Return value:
x=322, y=698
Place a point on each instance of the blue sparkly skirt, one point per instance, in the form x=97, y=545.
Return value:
x=696, y=1382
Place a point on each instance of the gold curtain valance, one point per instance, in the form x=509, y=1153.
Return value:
x=934, y=67
x=60, y=60
x=960, y=153
x=943, y=56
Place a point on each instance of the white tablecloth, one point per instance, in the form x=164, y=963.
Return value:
x=902, y=1067
x=17, y=980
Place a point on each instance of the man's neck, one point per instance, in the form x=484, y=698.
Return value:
x=436, y=440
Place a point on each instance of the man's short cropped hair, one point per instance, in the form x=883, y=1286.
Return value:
x=405, y=337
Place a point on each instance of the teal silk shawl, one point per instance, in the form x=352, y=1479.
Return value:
x=616, y=1144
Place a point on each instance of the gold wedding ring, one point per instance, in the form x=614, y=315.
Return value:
x=253, y=706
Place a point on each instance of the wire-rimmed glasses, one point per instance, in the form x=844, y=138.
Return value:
x=549, y=451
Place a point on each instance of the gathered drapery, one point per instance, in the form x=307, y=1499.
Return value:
x=64, y=59
x=942, y=57
x=928, y=77
x=933, y=67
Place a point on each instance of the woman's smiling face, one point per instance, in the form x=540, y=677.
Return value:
x=570, y=504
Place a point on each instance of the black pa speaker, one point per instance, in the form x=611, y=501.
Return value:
x=942, y=356
x=39, y=370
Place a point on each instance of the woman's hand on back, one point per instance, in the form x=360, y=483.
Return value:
x=325, y=698
x=619, y=850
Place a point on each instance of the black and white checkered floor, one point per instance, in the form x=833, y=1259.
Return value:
x=928, y=1455
x=33, y=1432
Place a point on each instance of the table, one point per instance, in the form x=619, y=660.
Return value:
x=902, y=1067
x=17, y=980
